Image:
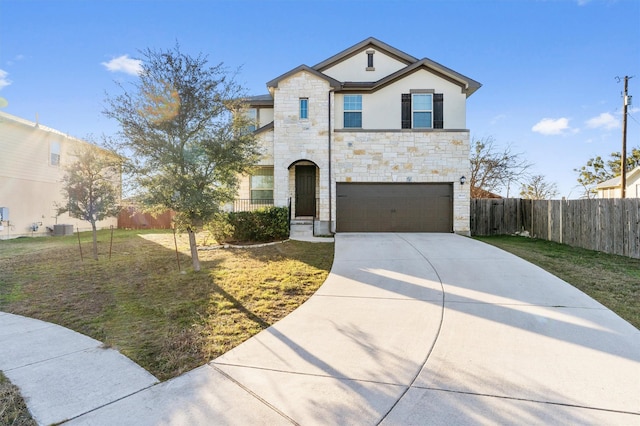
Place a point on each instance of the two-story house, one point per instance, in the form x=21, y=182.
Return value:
x=32, y=164
x=371, y=139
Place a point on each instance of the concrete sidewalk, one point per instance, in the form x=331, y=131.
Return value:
x=63, y=374
x=407, y=329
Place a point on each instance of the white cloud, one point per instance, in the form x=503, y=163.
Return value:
x=605, y=121
x=550, y=126
x=17, y=58
x=498, y=118
x=4, y=81
x=124, y=64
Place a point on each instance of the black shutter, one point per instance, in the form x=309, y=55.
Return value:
x=406, y=111
x=438, y=114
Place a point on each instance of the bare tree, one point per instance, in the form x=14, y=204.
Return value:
x=537, y=188
x=493, y=168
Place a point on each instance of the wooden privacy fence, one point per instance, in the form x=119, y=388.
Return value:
x=131, y=218
x=607, y=225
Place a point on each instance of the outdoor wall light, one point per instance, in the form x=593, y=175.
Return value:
x=462, y=180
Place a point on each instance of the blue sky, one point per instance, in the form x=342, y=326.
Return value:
x=548, y=68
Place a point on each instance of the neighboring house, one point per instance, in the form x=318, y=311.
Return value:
x=483, y=193
x=369, y=140
x=612, y=188
x=32, y=160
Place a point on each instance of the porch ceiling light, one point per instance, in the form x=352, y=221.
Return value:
x=462, y=180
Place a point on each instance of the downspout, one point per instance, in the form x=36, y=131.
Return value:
x=329, y=154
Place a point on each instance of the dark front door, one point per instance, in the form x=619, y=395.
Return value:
x=305, y=191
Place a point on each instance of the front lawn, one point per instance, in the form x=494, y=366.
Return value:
x=138, y=302
x=612, y=280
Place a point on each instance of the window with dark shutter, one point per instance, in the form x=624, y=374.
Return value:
x=406, y=110
x=438, y=114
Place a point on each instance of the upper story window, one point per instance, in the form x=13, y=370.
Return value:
x=353, y=111
x=304, y=108
x=54, y=153
x=422, y=110
x=252, y=115
x=370, y=60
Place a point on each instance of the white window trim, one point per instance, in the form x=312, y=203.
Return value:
x=414, y=110
x=352, y=110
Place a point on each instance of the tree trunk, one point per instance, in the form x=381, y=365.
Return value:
x=194, y=249
x=95, y=241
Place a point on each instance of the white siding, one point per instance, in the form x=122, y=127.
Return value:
x=29, y=186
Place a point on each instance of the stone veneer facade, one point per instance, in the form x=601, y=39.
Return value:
x=406, y=156
x=438, y=156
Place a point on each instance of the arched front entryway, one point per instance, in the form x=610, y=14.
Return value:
x=305, y=182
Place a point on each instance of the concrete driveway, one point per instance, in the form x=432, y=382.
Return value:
x=415, y=329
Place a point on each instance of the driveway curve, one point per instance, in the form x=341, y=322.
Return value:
x=415, y=329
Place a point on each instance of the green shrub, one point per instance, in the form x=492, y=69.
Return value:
x=220, y=228
x=263, y=225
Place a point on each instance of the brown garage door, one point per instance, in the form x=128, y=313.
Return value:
x=394, y=207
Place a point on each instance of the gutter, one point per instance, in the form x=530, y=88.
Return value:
x=329, y=154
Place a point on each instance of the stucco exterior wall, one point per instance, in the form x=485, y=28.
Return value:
x=29, y=185
x=355, y=67
x=382, y=109
x=265, y=116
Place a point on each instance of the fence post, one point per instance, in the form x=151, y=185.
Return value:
x=561, y=220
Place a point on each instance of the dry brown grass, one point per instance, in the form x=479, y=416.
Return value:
x=139, y=303
x=13, y=410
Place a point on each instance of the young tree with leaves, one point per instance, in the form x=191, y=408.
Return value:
x=537, y=188
x=184, y=132
x=493, y=168
x=91, y=187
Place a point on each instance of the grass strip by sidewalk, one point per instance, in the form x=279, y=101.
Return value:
x=13, y=410
x=612, y=280
x=138, y=302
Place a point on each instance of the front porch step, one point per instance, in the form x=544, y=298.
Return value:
x=301, y=228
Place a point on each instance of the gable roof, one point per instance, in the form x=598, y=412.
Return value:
x=413, y=64
x=617, y=181
x=332, y=82
x=359, y=47
x=467, y=85
x=260, y=100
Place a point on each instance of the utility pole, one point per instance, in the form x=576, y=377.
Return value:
x=623, y=160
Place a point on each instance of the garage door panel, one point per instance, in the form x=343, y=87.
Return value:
x=394, y=207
